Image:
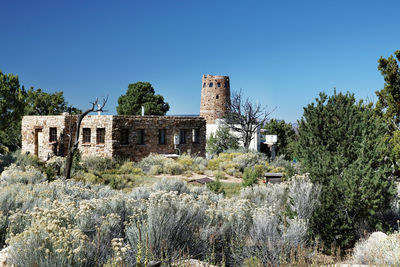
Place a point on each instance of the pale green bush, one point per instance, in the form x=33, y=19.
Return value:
x=130, y=168
x=156, y=169
x=171, y=185
x=273, y=195
x=249, y=159
x=46, y=222
x=168, y=227
x=139, y=193
x=271, y=240
x=57, y=164
x=98, y=164
x=303, y=195
x=51, y=240
x=152, y=160
x=378, y=249
x=173, y=167
x=14, y=174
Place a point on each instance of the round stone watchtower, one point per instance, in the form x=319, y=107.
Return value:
x=215, y=97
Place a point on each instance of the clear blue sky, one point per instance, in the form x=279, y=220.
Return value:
x=281, y=53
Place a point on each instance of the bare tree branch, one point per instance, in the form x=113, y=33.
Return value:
x=245, y=117
x=73, y=148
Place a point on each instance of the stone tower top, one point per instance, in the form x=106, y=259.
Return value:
x=215, y=97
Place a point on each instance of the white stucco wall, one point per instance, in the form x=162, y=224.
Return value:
x=254, y=144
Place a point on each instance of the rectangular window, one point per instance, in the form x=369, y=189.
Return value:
x=211, y=85
x=86, y=135
x=124, y=137
x=204, y=84
x=196, y=136
x=225, y=85
x=53, y=134
x=140, y=137
x=219, y=84
x=182, y=136
x=161, y=136
x=100, y=135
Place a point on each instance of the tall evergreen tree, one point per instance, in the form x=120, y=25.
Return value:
x=11, y=110
x=388, y=104
x=38, y=102
x=141, y=94
x=341, y=144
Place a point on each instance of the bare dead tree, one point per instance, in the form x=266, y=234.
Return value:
x=72, y=148
x=245, y=117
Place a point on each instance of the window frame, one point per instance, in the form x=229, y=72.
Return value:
x=140, y=140
x=100, y=136
x=86, y=135
x=124, y=137
x=182, y=136
x=52, y=134
x=162, y=133
x=211, y=84
x=196, y=136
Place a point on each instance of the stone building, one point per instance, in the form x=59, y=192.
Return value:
x=215, y=97
x=215, y=101
x=131, y=137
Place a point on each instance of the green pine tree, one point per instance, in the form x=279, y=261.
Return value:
x=341, y=144
x=286, y=136
x=141, y=94
x=11, y=110
x=388, y=104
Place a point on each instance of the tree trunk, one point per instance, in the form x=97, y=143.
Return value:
x=73, y=147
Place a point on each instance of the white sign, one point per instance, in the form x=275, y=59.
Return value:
x=271, y=139
x=176, y=140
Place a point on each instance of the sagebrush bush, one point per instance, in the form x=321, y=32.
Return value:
x=250, y=177
x=168, y=227
x=378, y=249
x=173, y=167
x=70, y=223
x=97, y=164
x=171, y=185
x=250, y=159
x=130, y=168
x=151, y=160
x=15, y=174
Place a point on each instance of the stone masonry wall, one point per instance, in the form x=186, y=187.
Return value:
x=214, y=99
x=151, y=126
x=34, y=126
x=93, y=122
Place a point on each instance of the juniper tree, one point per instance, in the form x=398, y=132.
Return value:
x=141, y=94
x=388, y=104
x=11, y=110
x=341, y=144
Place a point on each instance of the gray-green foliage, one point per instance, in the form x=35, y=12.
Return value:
x=163, y=222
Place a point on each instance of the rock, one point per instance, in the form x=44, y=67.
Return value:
x=4, y=256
